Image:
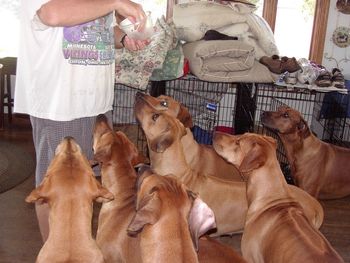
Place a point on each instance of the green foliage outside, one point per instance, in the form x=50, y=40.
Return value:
x=308, y=8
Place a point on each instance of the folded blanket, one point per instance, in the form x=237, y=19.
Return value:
x=194, y=19
x=225, y=61
x=134, y=69
x=263, y=34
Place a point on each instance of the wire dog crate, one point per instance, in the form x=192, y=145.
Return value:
x=236, y=108
x=210, y=104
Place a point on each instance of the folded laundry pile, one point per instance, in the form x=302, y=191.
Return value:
x=224, y=40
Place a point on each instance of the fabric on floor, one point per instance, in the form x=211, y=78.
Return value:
x=16, y=165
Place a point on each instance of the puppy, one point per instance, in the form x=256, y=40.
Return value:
x=162, y=203
x=226, y=198
x=69, y=188
x=321, y=169
x=200, y=157
x=117, y=156
x=276, y=228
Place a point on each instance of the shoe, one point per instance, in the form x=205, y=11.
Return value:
x=272, y=63
x=290, y=64
x=338, y=80
x=324, y=79
x=291, y=79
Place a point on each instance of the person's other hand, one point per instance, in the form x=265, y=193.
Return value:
x=133, y=11
x=134, y=44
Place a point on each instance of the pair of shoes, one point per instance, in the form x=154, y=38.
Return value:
x=272, y=63
x=338, y=80
x=280, y=65
x=290, y=64
x=324, y=79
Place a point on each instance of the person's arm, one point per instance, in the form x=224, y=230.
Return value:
x=74, y=12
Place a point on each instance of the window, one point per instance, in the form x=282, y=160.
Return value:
x=273, y=14
x=293, y=28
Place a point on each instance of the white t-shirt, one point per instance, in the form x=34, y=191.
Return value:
x=64, y=73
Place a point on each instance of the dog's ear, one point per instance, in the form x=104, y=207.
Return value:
x=102, y=195
x=39, y=194
x=103, y=153
x=137, y=157
x=303, y=129
x=255, y=158
x=148, y=213
x=200, y=220
x=162, y=142
x=185, y=117
x=36, y=195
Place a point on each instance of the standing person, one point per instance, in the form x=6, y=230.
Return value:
x=65, y=72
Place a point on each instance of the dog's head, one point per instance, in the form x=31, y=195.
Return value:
x=248, y=151
x=169, y=106
x=285, y=121
x=160, y=128
x=69, y=176
x=164, y=196
x=113, y=146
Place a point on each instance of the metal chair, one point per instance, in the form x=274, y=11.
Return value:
x=7, y=70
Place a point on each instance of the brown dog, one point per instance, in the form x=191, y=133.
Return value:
x=276, y=228
x=162, y=203
x=321, y=169
x=69, y=188
x=200, y=157
x=226, y=198
x=117, y=156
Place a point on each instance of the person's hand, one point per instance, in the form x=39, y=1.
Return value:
x=134, y=44
x=133, y=11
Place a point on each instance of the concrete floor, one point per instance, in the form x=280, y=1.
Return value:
x=20, y=239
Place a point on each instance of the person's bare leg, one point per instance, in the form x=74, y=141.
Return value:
x=42, y=213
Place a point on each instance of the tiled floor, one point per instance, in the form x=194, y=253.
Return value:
x=20, y=240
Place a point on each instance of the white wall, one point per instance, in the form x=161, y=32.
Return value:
x=340, y=55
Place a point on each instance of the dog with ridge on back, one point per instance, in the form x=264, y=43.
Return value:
x=322, y=169
x=276, y=227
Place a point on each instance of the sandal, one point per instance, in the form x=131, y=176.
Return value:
x=324, y=79
x=338, y=80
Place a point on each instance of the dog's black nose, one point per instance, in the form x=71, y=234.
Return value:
x=101, y=117
x=139, y=95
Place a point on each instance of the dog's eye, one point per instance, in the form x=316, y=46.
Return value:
x=286, y=115
x=164, y=103
x=155, y=116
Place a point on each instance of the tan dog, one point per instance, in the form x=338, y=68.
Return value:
x=321, y=169
x=172, y=219
x=276, y=228
x=226, y=198
x=117, y=156
x=69, y=188
x=200, y=157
